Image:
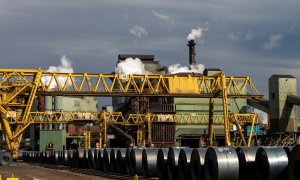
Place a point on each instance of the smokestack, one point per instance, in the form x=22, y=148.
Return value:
x=192, y=53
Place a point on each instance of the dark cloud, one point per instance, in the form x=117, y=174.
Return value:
x=92, y=33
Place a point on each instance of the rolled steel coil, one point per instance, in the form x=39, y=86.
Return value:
x=197, y=164
x=113, y=154
x=172, y=164
x=100, y=159
x=121, y=161
x=221, y=163
x=294, y=163
x=56, y=158
x=41, y=159
x=184, y=163
x=136, y=160
x=149, y=161
x=129, y=169
x=246, y=156
x=91, y=159
x=5, y=158
x=65, y=157
x=271, y=163
x=106, y=159
x=288, y=150
x=96, y=167
x=70, y=155
x=162, y=159
x=78, y=159
x=84, y=161
x=113, y=159
x=52, y=157
x=47, y=157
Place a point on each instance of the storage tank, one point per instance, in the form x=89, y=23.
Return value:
x=58, y=103
x=48, y=103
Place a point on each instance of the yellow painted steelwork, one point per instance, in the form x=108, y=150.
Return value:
x=88, y=139
x=18, y=87
x=240, y=120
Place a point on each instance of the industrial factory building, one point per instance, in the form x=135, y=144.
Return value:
x=184, y=119
x=161, y=122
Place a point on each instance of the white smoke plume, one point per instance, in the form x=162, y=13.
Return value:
x=64, y=67
x=131, y=66
x=177, y=68
x=195, y=33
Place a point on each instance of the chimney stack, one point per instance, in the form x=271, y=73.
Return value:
x=192, y=53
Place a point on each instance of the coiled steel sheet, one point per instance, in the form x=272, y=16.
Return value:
x=121, y=161
x=96, y=165
x=129, y=169
x=294, y=163
x=113, y=157
x=136, y=160
x=271, y=163
x=184, y=162
x=106, y=159
x=162, y=159
x=221, y=163
x=197, y=164
x=246, y=156
x=149, y=161
x=100, y=159
x=172, y=163
x=5, y=158
x=91, y=159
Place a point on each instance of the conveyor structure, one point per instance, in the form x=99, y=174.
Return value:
x=18, y=88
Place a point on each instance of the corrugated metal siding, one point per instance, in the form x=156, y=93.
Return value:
x=57, y=137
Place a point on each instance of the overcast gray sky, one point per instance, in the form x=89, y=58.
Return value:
x=254, y=38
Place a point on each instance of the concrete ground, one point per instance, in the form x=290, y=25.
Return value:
x=29, y=172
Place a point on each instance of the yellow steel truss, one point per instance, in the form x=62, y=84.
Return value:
x=18, y=87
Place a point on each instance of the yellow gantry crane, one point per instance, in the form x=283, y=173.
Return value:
x=18, y=88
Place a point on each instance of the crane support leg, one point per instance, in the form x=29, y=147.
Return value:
x=225, y=110
x=211, y=122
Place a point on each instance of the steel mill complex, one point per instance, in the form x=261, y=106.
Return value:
x=197, y=124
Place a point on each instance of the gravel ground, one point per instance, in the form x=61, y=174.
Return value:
x=29, y=172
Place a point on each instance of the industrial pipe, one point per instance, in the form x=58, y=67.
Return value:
x=246, y=156
x=294, y=163
x=197, y=164
x=172, y=163
x=221, y=163
x=106, y=159
x=149, y=161
x=271, y=163
x=162, y=159
x=5, y=158
x=136, y=160
x=121, y=161
x=184, y=162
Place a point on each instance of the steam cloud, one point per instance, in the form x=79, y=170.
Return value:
x=131, y=66
x=64, y=67
x=195, y=33
x=177, y=68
